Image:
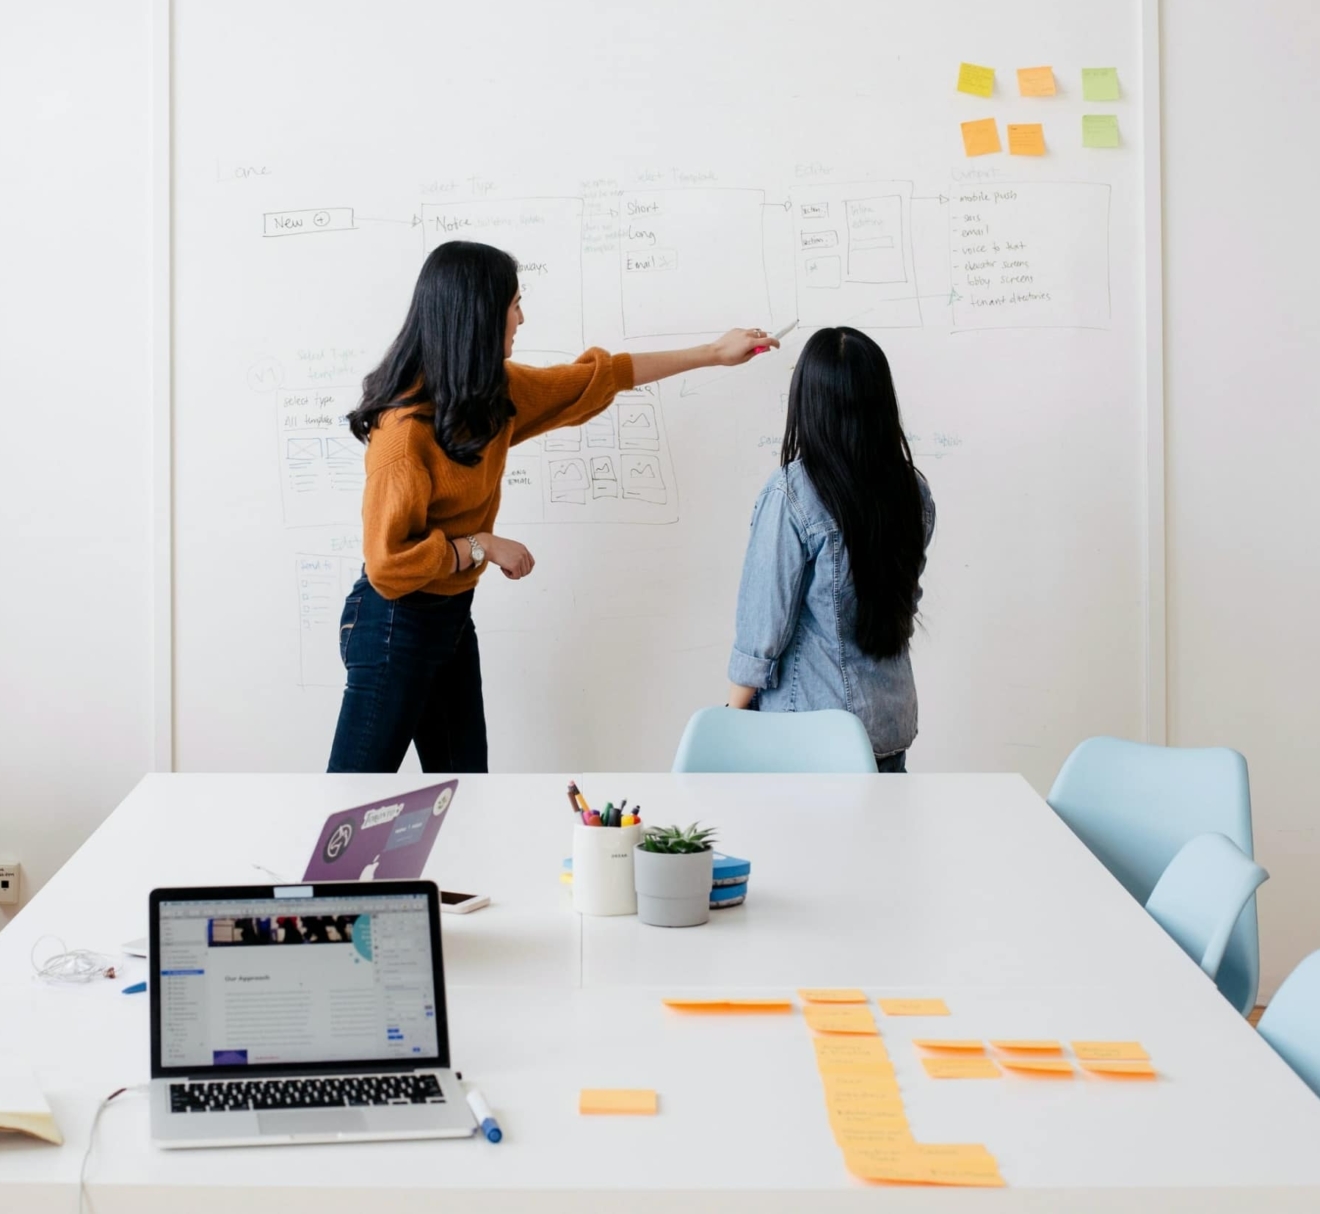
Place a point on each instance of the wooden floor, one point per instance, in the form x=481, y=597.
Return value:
x=1254, y=1015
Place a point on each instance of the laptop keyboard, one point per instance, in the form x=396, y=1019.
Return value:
x=235, y=1095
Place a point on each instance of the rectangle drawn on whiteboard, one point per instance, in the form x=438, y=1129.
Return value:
x=321, y=464
x=323, y=583
x=689, y=259
x=545, y=236
x=307, y=223
x=871, y=278
x=1030, y=255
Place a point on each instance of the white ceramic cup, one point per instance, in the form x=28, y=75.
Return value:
x=603, y=869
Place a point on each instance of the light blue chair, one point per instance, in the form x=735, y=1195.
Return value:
x=732, y=739
x=1134, y=806
x=1200, y=896
x=1291, y=1023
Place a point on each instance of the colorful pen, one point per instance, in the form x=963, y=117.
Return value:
x=485, y=1118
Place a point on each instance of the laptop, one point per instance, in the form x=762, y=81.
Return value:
x=300, y=1013
x=389, y=839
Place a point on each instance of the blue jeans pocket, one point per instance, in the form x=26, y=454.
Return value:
x=347, y=622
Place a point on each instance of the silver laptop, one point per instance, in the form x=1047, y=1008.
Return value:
x=300, y=1013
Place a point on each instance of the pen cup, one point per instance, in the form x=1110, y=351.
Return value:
x=603, y=869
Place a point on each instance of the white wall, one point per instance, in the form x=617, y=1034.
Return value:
x=74, y=399
x=1242, y=321
x=1242, y=329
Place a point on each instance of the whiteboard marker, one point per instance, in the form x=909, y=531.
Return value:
x=782, y=332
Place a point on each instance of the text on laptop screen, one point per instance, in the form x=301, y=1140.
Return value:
x=296, y=980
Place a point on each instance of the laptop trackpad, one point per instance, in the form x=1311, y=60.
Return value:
x=313, y=1121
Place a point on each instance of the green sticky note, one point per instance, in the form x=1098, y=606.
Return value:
x=1100, y=84
x=1099, y=131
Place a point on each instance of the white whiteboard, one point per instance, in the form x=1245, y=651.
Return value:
x=663, y=172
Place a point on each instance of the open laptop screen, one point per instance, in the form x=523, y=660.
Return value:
x=295, y=982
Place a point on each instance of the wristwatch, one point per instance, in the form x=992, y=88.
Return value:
x=478, y=552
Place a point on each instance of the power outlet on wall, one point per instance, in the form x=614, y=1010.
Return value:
x=9, y=884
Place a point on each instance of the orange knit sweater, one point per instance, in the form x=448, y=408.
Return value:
x=416, y=498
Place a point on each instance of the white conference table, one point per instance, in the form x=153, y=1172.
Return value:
x=964, y=887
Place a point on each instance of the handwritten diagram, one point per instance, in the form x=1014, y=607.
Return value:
x=321, y=462
x=323, y=583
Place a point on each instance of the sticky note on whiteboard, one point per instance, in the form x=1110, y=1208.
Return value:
x=980, y=138
x=1036, y=81
x=977, y=80
x=1026, y=139
x=1099, y=131
x=1099, y=84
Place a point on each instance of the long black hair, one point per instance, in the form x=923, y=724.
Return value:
x=450, y=352
x=844, y=425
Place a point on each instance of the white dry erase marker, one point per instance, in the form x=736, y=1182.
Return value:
x=485, y=1118
x=785, y=330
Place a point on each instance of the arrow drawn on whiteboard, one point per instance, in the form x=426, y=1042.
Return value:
x=787, y=205
x=411, y=223
x=940, y=198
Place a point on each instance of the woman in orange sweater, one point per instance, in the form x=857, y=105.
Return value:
x=439, y=416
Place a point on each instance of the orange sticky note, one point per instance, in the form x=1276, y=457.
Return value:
x=832, y=995
x=1029, y=1046
x=1036, y=81
x=616, y=1100
x=1109, y=1050
x=890, y=1136
x=923, y=1164
x=981, y=137
x=961, y=1068
x=913, y=1007
x=864, y=1119
x=868, y=1082
x=1026, y=139
x=840, y=1019
x=962, y=1047
x=1039, y=1066
x=975, y=79
x=843, y=1053
x=730, y=1006
x=1130, y=1070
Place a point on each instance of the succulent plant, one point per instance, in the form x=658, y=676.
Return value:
x=675, y=841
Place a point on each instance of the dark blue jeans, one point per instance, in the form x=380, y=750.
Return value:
x=414, y=675
x=892, y=763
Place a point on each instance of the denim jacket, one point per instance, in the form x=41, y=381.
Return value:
x=797, y=618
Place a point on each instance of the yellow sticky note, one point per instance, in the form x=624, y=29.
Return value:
x=840, y=1019
x=1039, y=1066
x=1099, y=84
x=980, y=138
x=1109, y=1050
x=1130, y=1070
x=1026, y=139
x=730, y=1006
x=1028, y=1046
x=977, y=80
x=962, y=1047
x=961, y=1068
x=923, y=1164
x=616, y=1100
x=841, y=1053
x=832, y=995
x=913, y=1007
x=1099, y=131
x=1036, y=81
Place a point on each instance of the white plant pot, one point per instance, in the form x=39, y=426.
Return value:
x=673, y=891
x=603, y=869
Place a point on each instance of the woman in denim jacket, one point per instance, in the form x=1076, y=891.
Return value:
x=831, y=581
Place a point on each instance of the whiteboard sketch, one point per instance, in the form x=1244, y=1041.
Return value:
x=323, y=583
x=321, y=463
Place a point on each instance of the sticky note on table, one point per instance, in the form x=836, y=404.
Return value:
x=843, y=1120
x=1026, y=139
x=1036, y=81
x=832, y=995
x=864, y=1083
x=980, y=138
x=1110, y=1050
x=1099, y=84
x=961, y=1068
x=959, y=1046
x=730, y=1006
x=1028, y=1045
x=1051, y=1067
x=1132, y=1070
x=1099, y=131
x=849, y=1137
x=913, y=1007
x=977, y=80
x=843, y=1053
x=842, y=1019
x=617, y=1100
x=923, y=1163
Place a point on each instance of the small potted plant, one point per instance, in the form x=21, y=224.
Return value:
x=673, y=868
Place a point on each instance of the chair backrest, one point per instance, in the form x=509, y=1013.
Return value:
x=1135, y=805
x=1291, y=1023
x=731, y=739
x=1199, y=897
